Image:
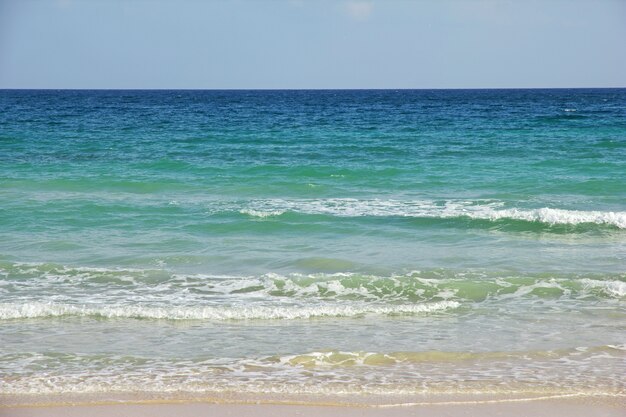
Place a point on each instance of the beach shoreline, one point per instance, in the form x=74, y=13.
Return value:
x=572, y=406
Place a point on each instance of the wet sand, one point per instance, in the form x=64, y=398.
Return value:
x=568, y=407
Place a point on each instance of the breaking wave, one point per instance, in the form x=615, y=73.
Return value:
x=215, y=313
x=491, y=211
x=52, y=290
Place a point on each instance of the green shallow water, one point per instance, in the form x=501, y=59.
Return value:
x=312, y=241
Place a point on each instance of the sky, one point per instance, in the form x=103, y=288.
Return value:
x=290, y=44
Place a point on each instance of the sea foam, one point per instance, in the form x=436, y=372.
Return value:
x=481, y=210
x=216, y=313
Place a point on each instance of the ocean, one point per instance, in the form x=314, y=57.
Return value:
x=296, y=244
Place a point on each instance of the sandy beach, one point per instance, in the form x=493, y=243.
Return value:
x=130, y=405
x=572, y=407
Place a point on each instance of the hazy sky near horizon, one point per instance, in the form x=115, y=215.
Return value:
x=312, y=43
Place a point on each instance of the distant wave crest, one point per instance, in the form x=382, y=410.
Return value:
x=492, y=211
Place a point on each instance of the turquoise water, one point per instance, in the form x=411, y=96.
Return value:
x=356, y=242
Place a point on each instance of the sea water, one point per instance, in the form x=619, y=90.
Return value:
x=313, y=242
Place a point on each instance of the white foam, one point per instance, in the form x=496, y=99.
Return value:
x=261, y=213
x=216, y=313
x=484, y=210
x=611, y=288
x=556, y=216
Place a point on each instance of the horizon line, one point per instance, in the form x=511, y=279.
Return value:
x=305, y=89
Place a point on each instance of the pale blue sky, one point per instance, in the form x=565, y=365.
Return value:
x=312, y=43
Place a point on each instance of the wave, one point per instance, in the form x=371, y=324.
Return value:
x=319, y=358
x=615, y=289
x=9, y=311
x=490, y=211
x=352, y=358
x=262, y=214
x=164, y=294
